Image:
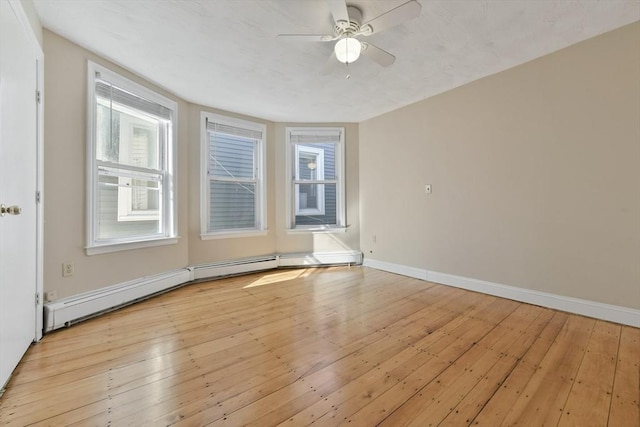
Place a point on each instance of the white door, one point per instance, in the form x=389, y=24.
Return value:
x=18, y=185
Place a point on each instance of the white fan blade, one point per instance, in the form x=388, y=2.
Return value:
x=339, y=12
x=378, y=55
x=400, y=14
x=306, y=37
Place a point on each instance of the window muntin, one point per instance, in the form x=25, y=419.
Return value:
x=316, y=191
x=233, y=177
x=131, y=187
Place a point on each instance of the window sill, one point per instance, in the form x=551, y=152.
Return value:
x=234, y=234
x=117, y=247
x=324, y=230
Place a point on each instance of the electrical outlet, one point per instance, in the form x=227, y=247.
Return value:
x=67, y=269
x=50, y=296
x=427, y=188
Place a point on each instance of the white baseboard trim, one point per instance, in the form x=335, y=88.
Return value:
x=67, y=311
x=320, y=259
x=403, y=270
x=612, y=313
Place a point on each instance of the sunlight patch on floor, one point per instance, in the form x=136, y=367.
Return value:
x=283, y=276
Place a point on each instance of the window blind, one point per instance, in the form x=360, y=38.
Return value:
x=302, y=137
x=111, y=92
x=233, y=130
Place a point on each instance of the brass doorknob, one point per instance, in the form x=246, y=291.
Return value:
x=11, y=210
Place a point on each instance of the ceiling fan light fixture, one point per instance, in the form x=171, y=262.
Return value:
x=348, y=50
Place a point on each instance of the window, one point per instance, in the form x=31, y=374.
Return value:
x=131, y=201
x=309, y=167
x=316, y=191
x=233, y=189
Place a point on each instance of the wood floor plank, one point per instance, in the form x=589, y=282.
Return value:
x=432, y=403
x=219, y=396
x=334, y=346
x=342, y=368
x=378, y=373
x=625, y=403
x=589, y=401
x=497, y=407
x=523, y=335
x=437, y=353
x=543, y=398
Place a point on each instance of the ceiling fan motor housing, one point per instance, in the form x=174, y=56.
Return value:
x=351, y=27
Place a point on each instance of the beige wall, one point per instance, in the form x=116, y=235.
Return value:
x=535, y=174
x=65, y=111
x=64, y=192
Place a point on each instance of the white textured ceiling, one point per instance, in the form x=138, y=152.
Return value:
x=224, y=53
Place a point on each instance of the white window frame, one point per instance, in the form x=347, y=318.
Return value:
x=259, y=178
x=166, y=174
x=292, y=175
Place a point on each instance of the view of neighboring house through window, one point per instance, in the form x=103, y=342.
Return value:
x=316, y=193
x=131, y=196
x=233, y=196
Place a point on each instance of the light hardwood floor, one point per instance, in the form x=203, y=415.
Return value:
x=339, y=346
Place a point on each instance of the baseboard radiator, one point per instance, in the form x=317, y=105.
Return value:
x=68, y=311
x=321, y=259
x=230, y=268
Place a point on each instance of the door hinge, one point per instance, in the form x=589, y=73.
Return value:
x=37, y=298
x=38, y=196
x=38, y=96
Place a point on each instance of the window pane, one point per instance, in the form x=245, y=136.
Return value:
x=310, y=196
x=126, y=138
x=310, y=166
x=233, y=206
x=127, y=207
x=316, y=161
x=107, y=124
x=231, y=156
x=316, y=204
x=138, y=199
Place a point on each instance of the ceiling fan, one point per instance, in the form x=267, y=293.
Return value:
x=349, y=27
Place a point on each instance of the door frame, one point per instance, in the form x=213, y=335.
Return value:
x=21, y=14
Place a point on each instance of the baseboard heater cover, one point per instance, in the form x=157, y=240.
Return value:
x=321, y=259
x=66, y=311
x=229, y=268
